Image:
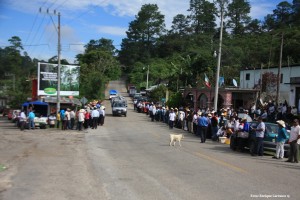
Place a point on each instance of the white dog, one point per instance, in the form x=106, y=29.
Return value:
x=175, y=137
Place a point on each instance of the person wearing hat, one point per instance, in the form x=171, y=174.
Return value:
x=294, y=142
x=280, y=140
x=190, y=120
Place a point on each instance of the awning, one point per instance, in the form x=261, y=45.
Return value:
x=63, y=100
x=40, y=103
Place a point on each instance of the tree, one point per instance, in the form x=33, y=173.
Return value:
x=296, y=12
x=283, y=14
x=202, y=16
x=54, y=60
x=142, y=35
x=180, y=25
x=158, y=93
x=16, y=44
x=254, y=27
x=98, y=65
x=238, y=14
x=101, y=44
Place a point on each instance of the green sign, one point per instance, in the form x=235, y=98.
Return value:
x=50, y=90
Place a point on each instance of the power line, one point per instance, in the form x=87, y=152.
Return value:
x=51, y=5
x=61, y=4
x=34, y=23
x=38, y=29
x=41, y=36
x=80, y=15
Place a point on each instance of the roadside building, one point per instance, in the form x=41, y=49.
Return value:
x=289, y=87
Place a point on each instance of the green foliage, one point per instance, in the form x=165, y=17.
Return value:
x=98, y=65
x=175, y=100
x=158, y=93
x=202, y=16
x=142, y=35
x=179, y=57
x=238, y=13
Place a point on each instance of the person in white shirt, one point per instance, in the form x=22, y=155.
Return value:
x=172, y=117
x=95, y=116
x=102, y=115
x=153, y=113
x=294, y=110
x=22, y=120
x=72, y=118
x=259, y=133
x=80, y=118
x=195, y=123
x=294, y=142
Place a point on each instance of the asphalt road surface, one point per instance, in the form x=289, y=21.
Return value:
x=129, y=158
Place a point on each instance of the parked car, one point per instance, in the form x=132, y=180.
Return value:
x=41, y=122
x=271, y=134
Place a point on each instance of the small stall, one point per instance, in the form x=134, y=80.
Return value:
x=65, y=103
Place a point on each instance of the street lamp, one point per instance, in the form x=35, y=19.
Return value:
x=219, y=59
x=147, y=76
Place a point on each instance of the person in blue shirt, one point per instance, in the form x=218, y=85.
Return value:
x=202, y=127
x=280, y=140
x=31, y=117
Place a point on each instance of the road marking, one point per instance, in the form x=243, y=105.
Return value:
x=220, y=162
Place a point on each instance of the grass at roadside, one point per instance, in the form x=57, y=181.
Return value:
x=2, y=168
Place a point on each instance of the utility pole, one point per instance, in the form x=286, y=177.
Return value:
x=147, y=77
x=58, y=63
x=279, y=71
x=58, y=57
x=219, y=58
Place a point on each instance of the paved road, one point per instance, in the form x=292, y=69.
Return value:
x=130, y=158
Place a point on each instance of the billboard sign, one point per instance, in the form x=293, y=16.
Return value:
x=47, y=79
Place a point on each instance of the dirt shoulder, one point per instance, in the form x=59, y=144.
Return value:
x=45, y=164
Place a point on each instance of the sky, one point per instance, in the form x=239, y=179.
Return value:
x=85, y=20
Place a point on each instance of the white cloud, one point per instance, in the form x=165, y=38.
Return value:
x=112, y=30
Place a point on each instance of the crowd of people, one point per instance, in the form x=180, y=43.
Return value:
x=91, y=116
x=226, y=121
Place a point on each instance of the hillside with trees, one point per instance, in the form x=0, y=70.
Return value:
x=178, y=56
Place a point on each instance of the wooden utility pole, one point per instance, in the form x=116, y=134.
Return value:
x=58, y=63
x=279, y=71
x=58, y=57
